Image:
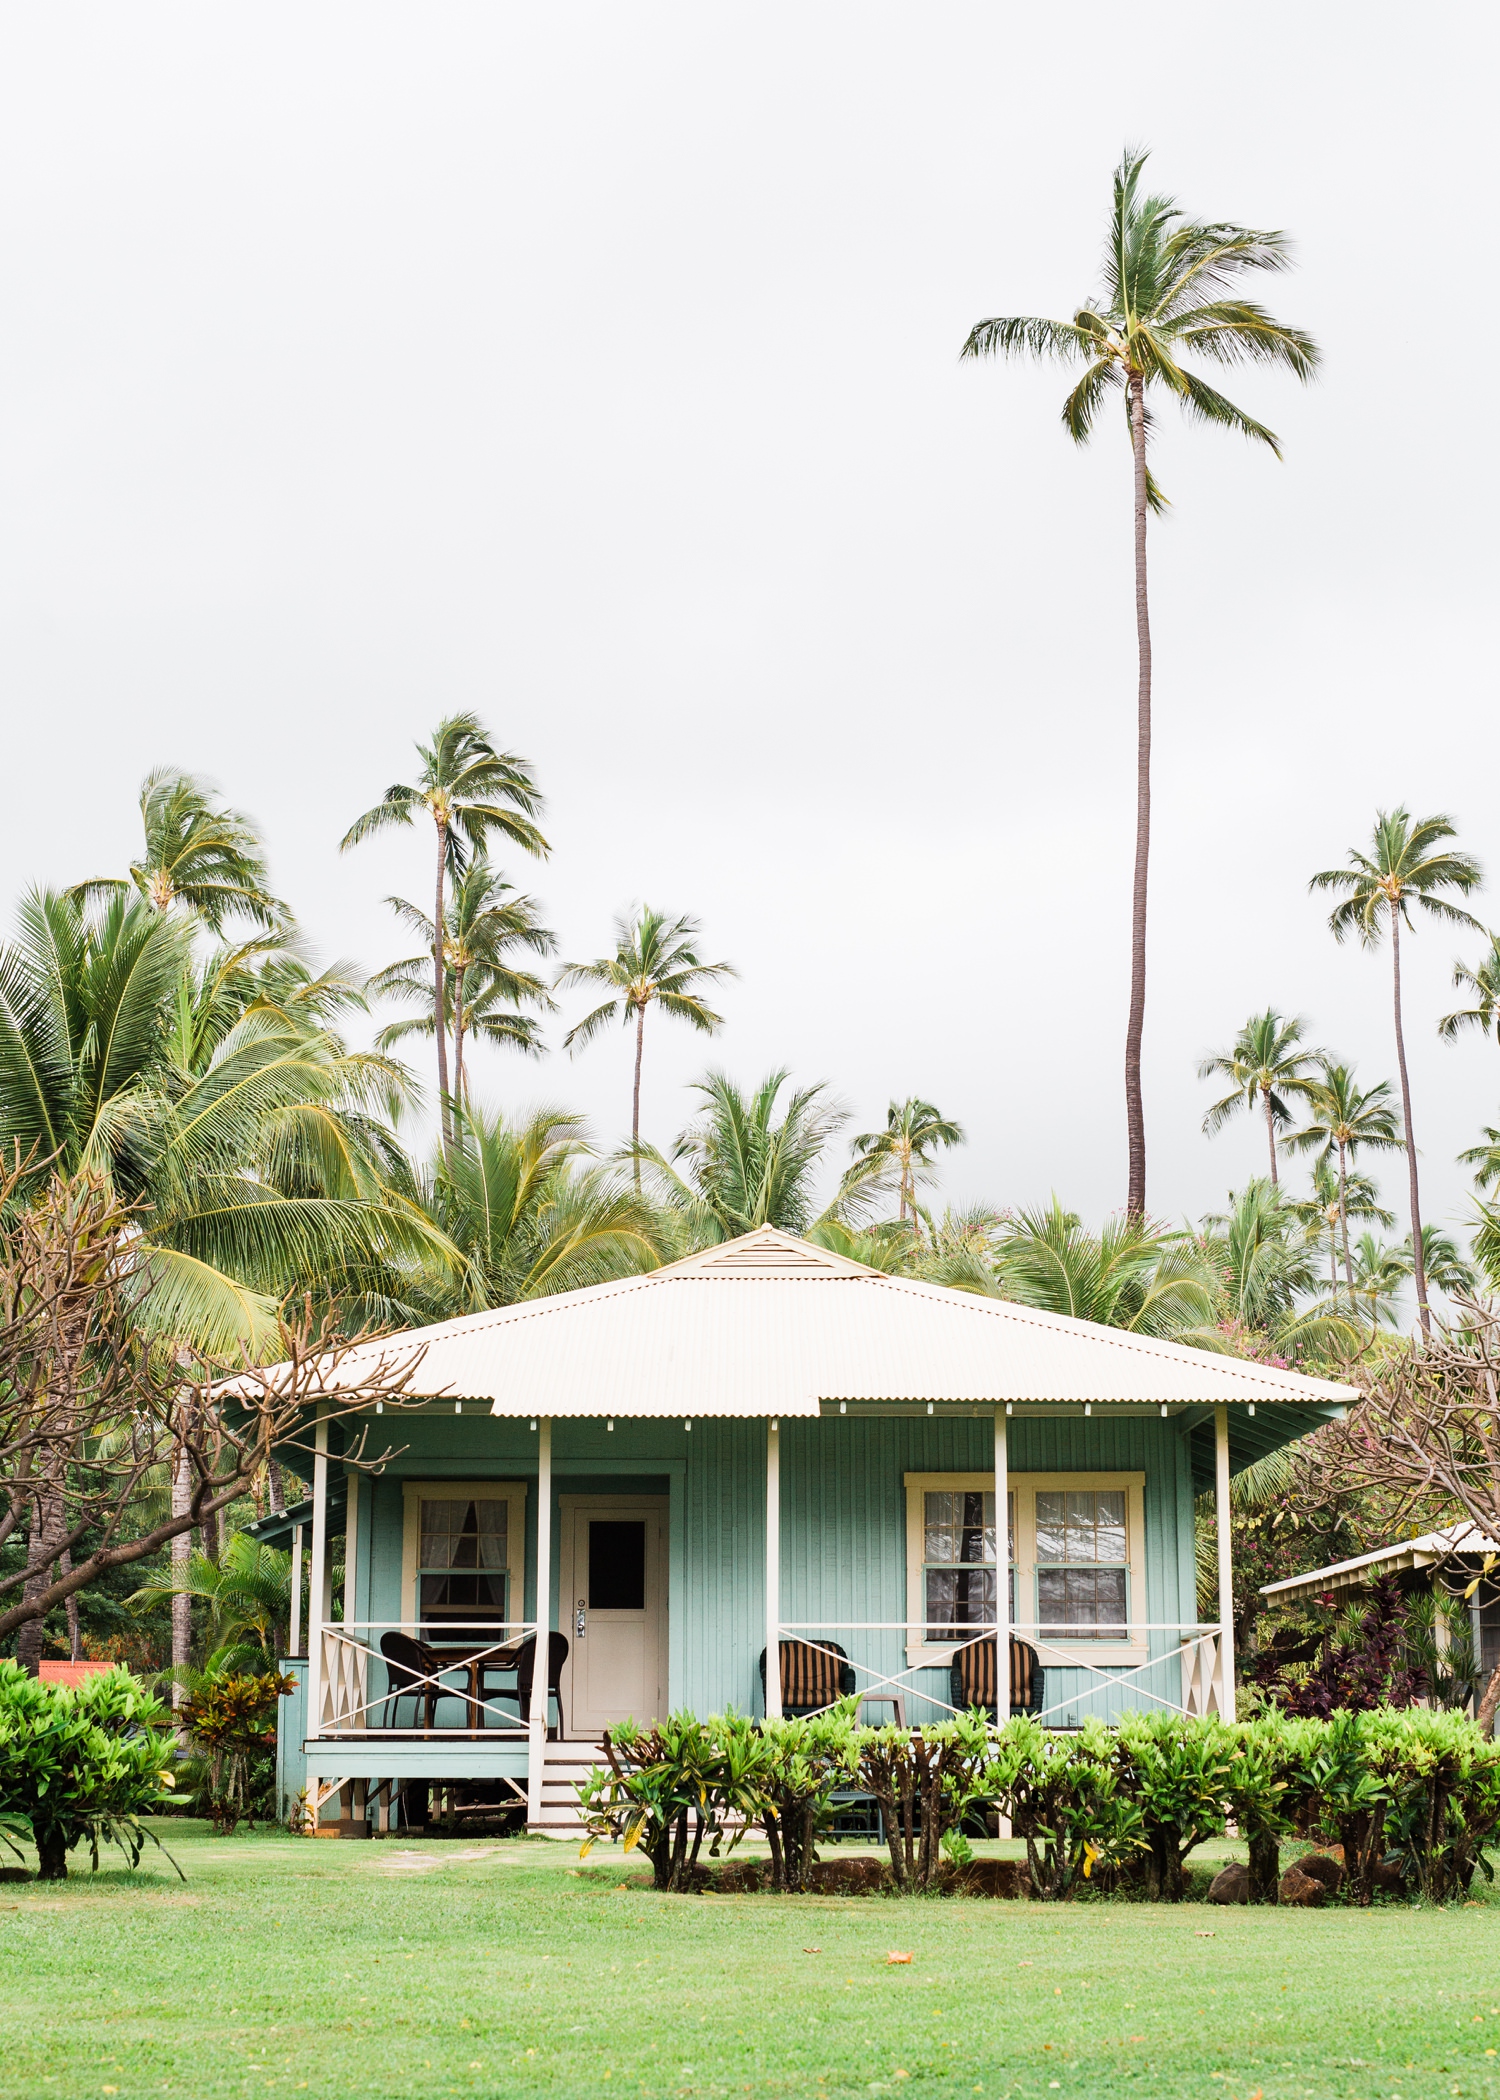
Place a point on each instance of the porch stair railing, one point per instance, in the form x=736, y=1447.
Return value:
x=1195, y=1660
x=348, y=1707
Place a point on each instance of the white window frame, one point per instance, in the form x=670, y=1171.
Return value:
x=921, y=1652
x=511, y=1492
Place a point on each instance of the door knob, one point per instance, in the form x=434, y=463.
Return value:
x=581, y=1619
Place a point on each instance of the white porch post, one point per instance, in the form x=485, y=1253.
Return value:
x=773, y=1570
x=536, y=1742
x=1002, y=1571
x=294, y=1628
x=1226, y=1573
x=351, y=1548
x=316, y=1579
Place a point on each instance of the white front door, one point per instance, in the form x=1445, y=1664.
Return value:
x=614, y=1609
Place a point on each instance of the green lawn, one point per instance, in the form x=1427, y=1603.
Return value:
x=291, y=1966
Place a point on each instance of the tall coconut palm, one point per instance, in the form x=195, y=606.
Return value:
x=1169, y=291
x=199, y=855
x=254, y=1168
x=1445, y=1267
x=1408, y=867
x=1485, y=1158
x=748, y=1160
x=1484, y=982
x=914, y=1131
x=1266, y=1261
x=471, y=791
x=1268, y=1063
x=1353, y=1199
x=1346, y=1121
x=655, y=963
x=483, y=991
x=1380, y=1275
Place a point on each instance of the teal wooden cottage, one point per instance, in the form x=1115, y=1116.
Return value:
x=759, y=1446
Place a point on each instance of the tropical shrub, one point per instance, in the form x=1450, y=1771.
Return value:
x=1063, y=1796
x=804, y=1762
x=234, y=1718
x=925, y=1780
x=81, y=1763
x=1266, y=1791
x=1176, y=1771
x=670, y=1787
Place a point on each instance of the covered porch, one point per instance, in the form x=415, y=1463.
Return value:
x=762, y=1450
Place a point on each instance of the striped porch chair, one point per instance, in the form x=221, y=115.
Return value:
x=813, y=1675
x=974, y=1683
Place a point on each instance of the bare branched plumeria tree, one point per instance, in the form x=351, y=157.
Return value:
x=1425, y=1444
x=92, y=1404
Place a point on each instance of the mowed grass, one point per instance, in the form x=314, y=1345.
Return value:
x=292, y=1966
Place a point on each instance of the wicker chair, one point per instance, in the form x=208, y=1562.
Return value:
x=519, y=1662
x=813, y=1675
x=407, y=1662
x=973, y=1678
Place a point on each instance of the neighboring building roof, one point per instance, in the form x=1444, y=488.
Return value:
x=771, y=1325
x=1427, y=1551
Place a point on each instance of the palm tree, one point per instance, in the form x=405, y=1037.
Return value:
x=1484, y=983
x=1444, y=1266
x=1265, y=1265
x=247, y=1593
x=198, y=854
x=1485, y=1158
x=1380, y=1274
x=1346, y=1122
x=913, y=1131
x=483, y=992
x=253, y=1162
x=532, y=1213
x=655, y=961
x=1132, y=1274
x=1267, y=1063
x=742, y=1164
x=1168, y=290
x=1332, y=1199
x=1406, y=866
x=470, y=790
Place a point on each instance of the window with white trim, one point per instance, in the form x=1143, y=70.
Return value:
x=958, y=1558
x=463, y=1551
x=1081, y=1563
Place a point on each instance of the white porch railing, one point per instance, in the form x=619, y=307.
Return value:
x=354, y=1701
x=1191, y=1667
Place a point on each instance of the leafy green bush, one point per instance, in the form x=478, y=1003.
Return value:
x=1063, y=1796
x=925, y=1780
x=81, y=1762
x=1407, y=1793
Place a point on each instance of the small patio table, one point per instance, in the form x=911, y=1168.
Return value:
x=894, y=1700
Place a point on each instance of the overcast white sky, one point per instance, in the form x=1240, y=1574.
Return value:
x=596, y=367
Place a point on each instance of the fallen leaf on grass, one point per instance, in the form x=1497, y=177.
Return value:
x=892, y=1960
x=812, y=1950
x=1203, y=1935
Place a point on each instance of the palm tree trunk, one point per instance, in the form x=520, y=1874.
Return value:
x=1344, y=1229
x=1135, y=1120
x=75, y=1632
x=1418, y=1265
x=1271, y=1137
x=458, y=1036
x=635, y=1099
x=439, y=1015
x=182, y=1606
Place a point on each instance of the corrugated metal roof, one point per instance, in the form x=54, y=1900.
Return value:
x=770, y=1325
x=1423, y=1552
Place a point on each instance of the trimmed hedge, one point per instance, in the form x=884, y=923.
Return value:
x=1408, y=1794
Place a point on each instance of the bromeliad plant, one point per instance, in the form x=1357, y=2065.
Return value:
x=81, y=1764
